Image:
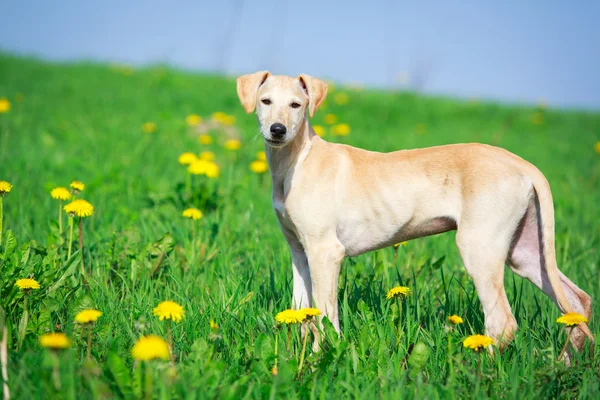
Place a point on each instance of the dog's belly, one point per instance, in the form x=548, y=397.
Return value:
x=361, y=236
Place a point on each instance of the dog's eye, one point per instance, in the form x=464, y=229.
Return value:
x=295, y=105
x=266, y=101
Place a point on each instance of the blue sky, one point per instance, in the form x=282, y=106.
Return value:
x=511, y=51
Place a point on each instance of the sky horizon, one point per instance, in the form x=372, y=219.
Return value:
x=514, y=53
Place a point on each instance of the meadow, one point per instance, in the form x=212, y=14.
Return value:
x=121, y=132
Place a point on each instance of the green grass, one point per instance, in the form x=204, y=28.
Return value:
x=83, y=121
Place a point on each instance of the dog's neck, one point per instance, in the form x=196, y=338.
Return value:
x=283, y=161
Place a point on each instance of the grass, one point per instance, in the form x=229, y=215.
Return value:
x=84, y=121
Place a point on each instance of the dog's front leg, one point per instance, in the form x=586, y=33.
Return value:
x=324, y=258
x=302, y=297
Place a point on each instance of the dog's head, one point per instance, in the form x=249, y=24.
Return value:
x=280, y=102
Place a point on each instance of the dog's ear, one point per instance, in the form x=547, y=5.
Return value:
x=247, y=88
x=316, y=90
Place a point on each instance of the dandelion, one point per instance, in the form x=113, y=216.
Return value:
x=213, y=324
x=5, y=188
x=5, y=105
x=193, y=119
x=341, y=129
x=76, y=187
x=223, y=118
x=149, y=348
x=319, y=130
x=192, y=213
x=597, y=147
x=570, y=319
x=232, y=144
x=55, y=342
x=396, y=246
x=420, y=128
x=289, y=318
x=81, y=209
x=205, y=139
x=259, y=166
x=170, y=311
x=477, y=342
x=207, y=156
x=310, y=312
x=341, y=98
x=187, y=158
x=398, y=293
x=212, y=170
x=60, y=194
x=198, y=167
x=27, y=284
x=146, y=349
x=87, y=318
x=330, y=119
x=149, y=127
x=455, y=320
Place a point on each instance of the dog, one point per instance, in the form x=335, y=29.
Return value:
x=334, y=201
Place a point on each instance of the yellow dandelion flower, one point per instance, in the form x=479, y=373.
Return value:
x=169, y=310
x=218, y=116
x=319, y=130
x=341, y=98
x=5, y=187
x=455, y=320
x=207, y=156
x=60, y=193
x=537, y=118
x=77, y=185
x=274, y=370
x=87, y=316
x=213, y=324
x=187, y=158
x=398, y=292
x=341, y=129
x=420, y=128
x=150, y=348
x=571, y=319
x=192, y=213
x=79, y=207
x=477, y=342
x=232, y=144
x=198, y=167
x=290, y=317
x=399, y=244
x=261, y=156
x=259, y=166
x=212, y=170
x=205, y=139
x=330, y=119
x=27, y=283
x=228, y=120
x=193, y=119
x=4, y=105
x=597, y=147
x=55, y=340
x=310, y=312
x=149, y=127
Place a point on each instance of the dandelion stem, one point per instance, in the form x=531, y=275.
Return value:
x=70, y=237
x=395, y=256
x=276, y=347
x=450, y=367
x=564, y=348
x=81, y=245
x=55, y=370
x=170, y=341
x=1, y=220
x=89, y=342
x=148, y=381
x=399, y=322
x=60, y=228
x=303, y=351
x=289, y=338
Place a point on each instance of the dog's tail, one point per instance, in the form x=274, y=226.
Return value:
x=546, y=210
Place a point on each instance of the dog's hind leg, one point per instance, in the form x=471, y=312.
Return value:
x=527, y=261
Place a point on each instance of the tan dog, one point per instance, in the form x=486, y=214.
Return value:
x=334, y=200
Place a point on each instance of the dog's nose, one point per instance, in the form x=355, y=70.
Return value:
x=278, y=130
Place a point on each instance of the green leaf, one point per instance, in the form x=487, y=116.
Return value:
x=438, y=263
x=418, y=358
x=10, y=243
x=120, y=373
x=22, y=330
x=70, y=269
x=25, y=252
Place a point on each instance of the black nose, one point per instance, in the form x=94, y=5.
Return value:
x=278, y=130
